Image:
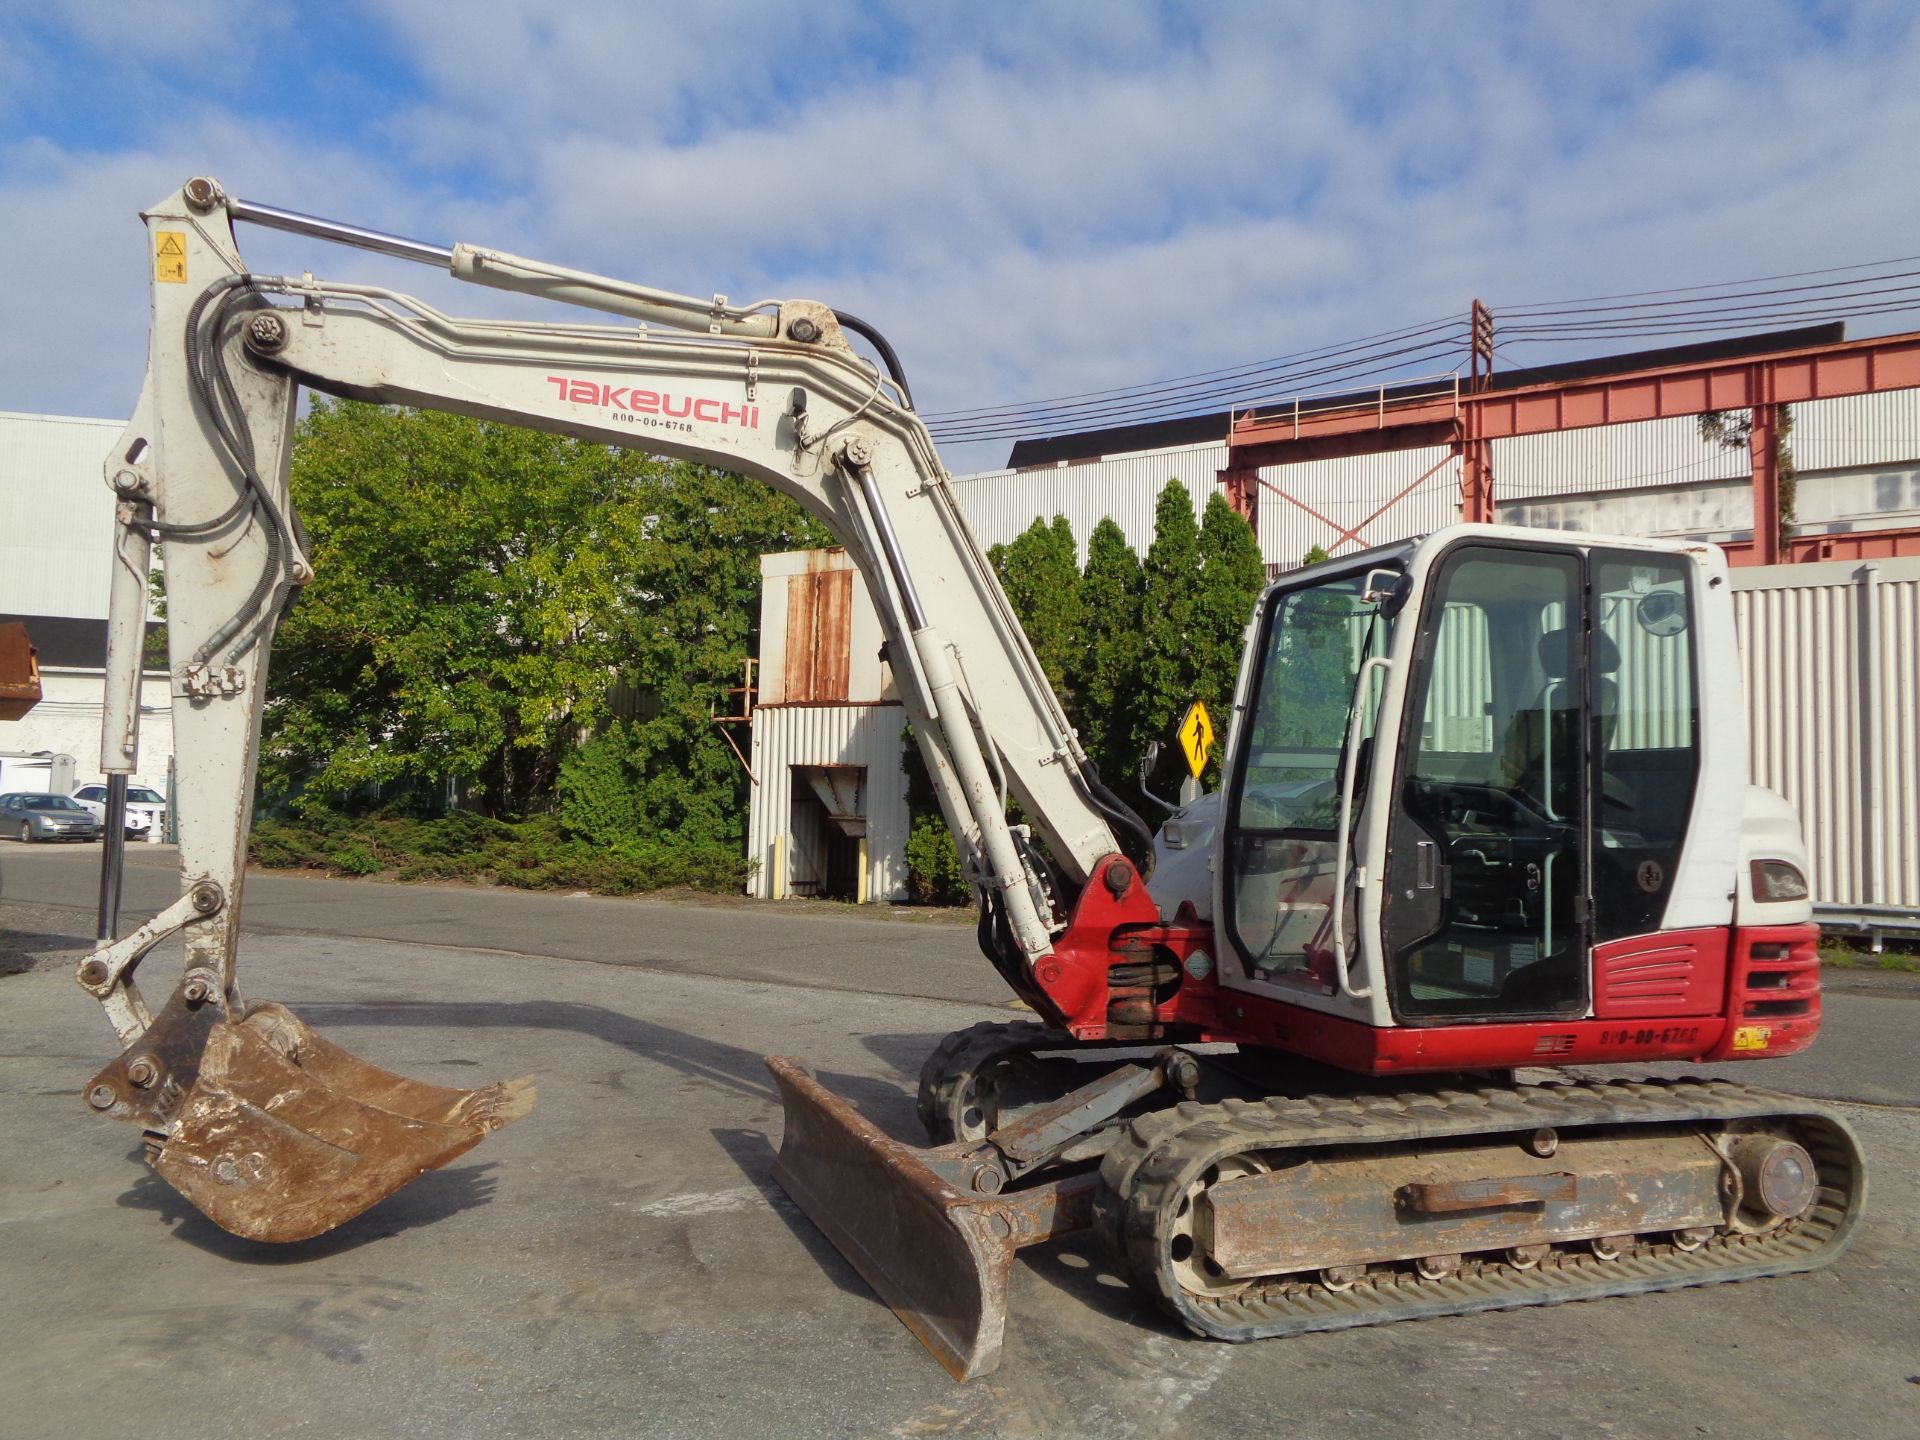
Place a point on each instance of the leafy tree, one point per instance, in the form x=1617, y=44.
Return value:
x=1040, y=571
x=1232, y=575
x=693, y=602
x=1168, y=671
x=479, y=589
x=1104, y=677
x=935, y=875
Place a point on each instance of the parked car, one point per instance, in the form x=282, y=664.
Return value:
x=46, y=817
x=145, y=808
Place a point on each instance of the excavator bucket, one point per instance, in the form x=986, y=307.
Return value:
x=19, y=671
x=940, y=1256
x=283, y=1135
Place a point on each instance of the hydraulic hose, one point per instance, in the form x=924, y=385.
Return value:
x=1125, y=818
x=879, y=342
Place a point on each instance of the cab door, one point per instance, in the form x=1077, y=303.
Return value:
x=1483, y=908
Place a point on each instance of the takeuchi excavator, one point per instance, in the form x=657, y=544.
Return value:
x=1484, y=812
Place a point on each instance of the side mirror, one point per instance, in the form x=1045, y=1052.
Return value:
x=1661, y=613
x=1152, y=757
x=1387, y=588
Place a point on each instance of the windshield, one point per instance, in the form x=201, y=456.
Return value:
x=139, y=795
x=1315, y=644
x=1282, y=860
x=53, y=802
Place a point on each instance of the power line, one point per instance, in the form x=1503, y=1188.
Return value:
x=1715, y=285
x=1377, y=358
x=1205, y=380
x=1286, y=383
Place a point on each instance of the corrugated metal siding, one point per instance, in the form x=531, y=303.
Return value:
x=867, y=678
x=1000, y=504
x=1610, y=457
x=1654, y=680
x=866, y=735
x=1825, y=503
x=1858, y=430
x=1456, y=717
x=1683, y=485
x=1806, y=669
x=819, y=635
x=1899, y=661
x=1348, y=492
x=56, y=515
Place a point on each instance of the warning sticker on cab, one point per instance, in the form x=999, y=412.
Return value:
x=1751, y=1037
x=170, y=257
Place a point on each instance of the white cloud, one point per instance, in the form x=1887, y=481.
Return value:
x=1031, y=200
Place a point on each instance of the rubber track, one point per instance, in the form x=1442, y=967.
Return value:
x=958, y=1058
x=1161, y=1154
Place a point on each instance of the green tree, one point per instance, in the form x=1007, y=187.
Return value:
x=686, y=631
x=480, y=588
x=1104, y=677
x=1168, y=671
x=1232, y=575
x=1040, y=571
x=935, y=875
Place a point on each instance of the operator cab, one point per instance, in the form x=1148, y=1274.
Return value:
x=1521, y=724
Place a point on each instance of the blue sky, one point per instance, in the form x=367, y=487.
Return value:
x=1030, y=199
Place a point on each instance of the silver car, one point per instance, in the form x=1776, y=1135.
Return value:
x=46, y=817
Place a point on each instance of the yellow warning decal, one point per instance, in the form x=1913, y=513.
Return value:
x=1751, y=1037
x=170, y=257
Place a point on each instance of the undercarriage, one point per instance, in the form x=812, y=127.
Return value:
x=1248, y=1215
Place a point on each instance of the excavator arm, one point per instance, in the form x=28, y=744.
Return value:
x=270, y=1130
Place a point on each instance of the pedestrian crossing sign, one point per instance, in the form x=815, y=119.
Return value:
x=1196, y=737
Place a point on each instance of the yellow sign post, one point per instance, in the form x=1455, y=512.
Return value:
x=1196, y=737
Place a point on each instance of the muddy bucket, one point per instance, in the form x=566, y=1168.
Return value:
x=281, y=1135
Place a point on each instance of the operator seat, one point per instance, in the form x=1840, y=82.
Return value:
x=1554, y=981
x=1554, y=716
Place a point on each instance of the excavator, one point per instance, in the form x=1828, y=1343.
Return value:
x=1299, y=1058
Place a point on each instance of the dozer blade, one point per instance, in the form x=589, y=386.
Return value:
x=940, y=1256
x=283, y=1135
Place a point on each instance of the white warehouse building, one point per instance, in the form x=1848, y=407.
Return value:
x=56, y=547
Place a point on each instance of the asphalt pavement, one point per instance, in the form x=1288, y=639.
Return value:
x=620, y=1263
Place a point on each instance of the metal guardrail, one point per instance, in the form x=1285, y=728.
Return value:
x=1876, y=922
x=1446, y=387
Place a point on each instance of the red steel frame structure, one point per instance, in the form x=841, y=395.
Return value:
x=1467, y=420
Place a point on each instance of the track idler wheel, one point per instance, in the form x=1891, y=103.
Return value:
x=974, y=1073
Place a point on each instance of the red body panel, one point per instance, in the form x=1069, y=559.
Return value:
x=1705, y=994
x=1677, y=972
x=1773, y=990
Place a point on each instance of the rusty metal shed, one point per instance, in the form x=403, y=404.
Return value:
x=827, y=808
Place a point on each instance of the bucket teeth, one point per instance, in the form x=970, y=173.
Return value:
x=284, y=1135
